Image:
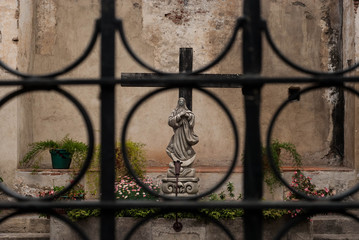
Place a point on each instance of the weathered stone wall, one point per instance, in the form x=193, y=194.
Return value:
x=46, y=35
x=333, y=226
x=304, y=31
x=349, y=58
x=9, y=30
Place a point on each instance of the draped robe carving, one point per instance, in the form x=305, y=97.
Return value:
x=180, y=147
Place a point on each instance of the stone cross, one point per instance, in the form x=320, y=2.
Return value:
x=182, y=182
x=186, y=65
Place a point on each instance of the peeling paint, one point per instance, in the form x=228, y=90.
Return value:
x=203, y=26
x=331, y=95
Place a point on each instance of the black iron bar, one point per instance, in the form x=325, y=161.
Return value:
x=184, y=205
x=252, y=63
x=107, y=117
x=250, y=81
x=208, y=80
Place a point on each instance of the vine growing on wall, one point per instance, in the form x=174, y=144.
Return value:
x=276, y=148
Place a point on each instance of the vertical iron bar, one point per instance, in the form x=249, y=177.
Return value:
x=185, y=65
x=107, y=116
x=253, y=176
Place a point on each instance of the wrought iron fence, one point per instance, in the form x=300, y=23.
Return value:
x=254, y=29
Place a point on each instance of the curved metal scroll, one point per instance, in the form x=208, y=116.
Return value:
x=147, y=219
x=90, y=137
x=340, y=196
x=296, y=66
x=77, y=62
x=209, y=191
x=68, y=222
x=238, y=26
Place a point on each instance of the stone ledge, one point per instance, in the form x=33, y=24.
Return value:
x=209, y=169
x=25, y=236
x=199, y=169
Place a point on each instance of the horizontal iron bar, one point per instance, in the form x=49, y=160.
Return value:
x=181, y=205
x=203, y=80
x=181, y=80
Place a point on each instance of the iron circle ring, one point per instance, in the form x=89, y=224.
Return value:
x=153, y=216
x=269, y=153
x=132, y=172
x=71, y=224
x=90, y=138
x=239, y=24
x=67, y=68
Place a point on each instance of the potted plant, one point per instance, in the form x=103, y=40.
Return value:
x=62, y=152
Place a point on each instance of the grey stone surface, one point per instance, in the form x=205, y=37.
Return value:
x=26, y=224
x=162, y=229
x=234, y=226
x=335, y=237
x=334, y=224
x=60, y=231
x=24, y=236
x=124, y=225
x=24, y=227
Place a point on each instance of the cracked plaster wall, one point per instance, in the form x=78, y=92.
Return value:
x=9, y=20
x=350, y=57
x=156, y=30
x=309, y=34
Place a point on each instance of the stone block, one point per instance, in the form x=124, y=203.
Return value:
x=335, y=237
x=24, y=236
x=124, y=225
x=162, y=229
x=334, y=224
x=25, y=224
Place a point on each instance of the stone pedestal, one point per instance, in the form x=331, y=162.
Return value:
x=187, y=182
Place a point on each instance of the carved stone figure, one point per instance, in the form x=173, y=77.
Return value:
x=181, y=179
x=180, y=147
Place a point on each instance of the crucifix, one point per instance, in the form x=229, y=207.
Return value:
x=186, y=65
x=181, y=177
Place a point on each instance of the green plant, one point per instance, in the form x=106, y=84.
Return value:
x=228, y=213
x=220, y=213
x=274, y=213
x=276, y=147
x=76, y=149
x=303, y=184
x=75, y=193
x=224, y=213
x=82, y=213
x=136, y=156
x=127, y=189
x=222, y=195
